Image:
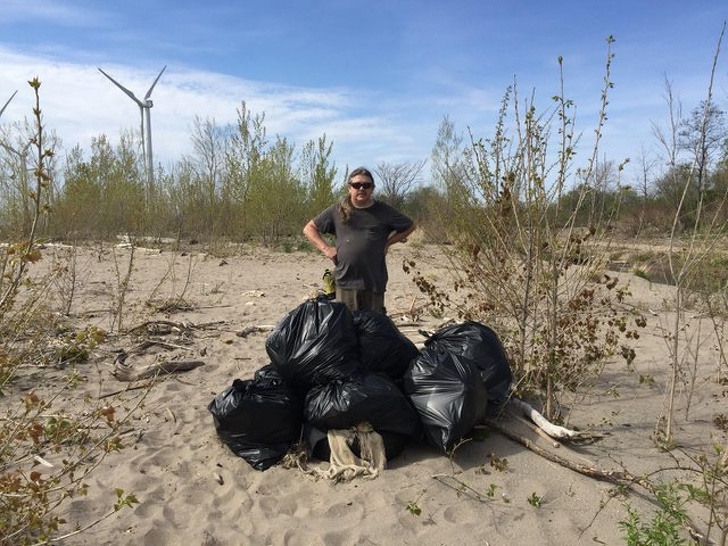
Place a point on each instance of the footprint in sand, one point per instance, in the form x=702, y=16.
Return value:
x=463, y=513
x=158, y=535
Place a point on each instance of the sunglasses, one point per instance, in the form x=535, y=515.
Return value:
x=362, y=185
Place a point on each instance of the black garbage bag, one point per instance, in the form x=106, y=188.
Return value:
x=382, y=347
x=365, y=397
x=480, y=344
x=316, y=439
x=258, y=419
x=447, y=392
x=313, y=344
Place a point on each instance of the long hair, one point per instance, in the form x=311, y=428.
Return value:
x=345, y=205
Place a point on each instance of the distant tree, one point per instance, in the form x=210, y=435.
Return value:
x=101, y=196
x=599, y=192
x=275, y=204
x=77, y=209
x=318, y=174
x=396, y=180
x=671, y=186
x=448, y=163
x=209, y=145
x=244, y=162
x=15, y=202
x=667, y=138
x=426, y=205
x=702, y=136
x=16, y=173
x=644, y=187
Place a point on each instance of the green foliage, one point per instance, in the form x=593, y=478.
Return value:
x=318, y=174
x=425, y=205
x=76, y=347
x=664, y=529
x=102, y=196
x=669, y=523
x=273, y=207
x=35, y=489
x=413, y=508
x=238, y=184
x=535, y=500
x=124, y=500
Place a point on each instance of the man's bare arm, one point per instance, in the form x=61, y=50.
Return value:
x=314, y=236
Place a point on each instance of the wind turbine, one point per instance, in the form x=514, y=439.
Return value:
x=6, y=104
x=146, y=124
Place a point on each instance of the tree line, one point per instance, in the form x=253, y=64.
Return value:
x=242, y=185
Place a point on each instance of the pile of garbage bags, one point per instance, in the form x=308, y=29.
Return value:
x=333, y=369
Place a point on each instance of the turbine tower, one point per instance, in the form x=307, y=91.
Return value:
x=6, y=104
x=146, y=125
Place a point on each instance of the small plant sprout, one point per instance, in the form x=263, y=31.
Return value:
x=413, y=508
x=535, y=500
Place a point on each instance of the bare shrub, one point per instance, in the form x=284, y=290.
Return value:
x=697, y=250
x=530, y=239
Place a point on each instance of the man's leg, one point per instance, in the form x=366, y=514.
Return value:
x=373, y=301
x=348, y=298
x=361, y=300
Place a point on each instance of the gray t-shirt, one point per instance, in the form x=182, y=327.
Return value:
x=360, y=243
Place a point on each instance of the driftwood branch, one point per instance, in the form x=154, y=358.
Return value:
x=127, y=372
x=124, y=370
x=160, y=343
x=610, y=476
x=161, y=327
x=543, y=425
x=245, y=332
x=127, y=389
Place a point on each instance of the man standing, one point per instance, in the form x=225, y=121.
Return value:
x=364, y=229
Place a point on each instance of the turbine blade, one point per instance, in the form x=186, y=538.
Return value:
x=6, y=104
x=124, y=89
x=149, y=93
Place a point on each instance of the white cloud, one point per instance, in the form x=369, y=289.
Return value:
x=79, y=103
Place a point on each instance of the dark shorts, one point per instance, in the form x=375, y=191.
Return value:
x=361, y=300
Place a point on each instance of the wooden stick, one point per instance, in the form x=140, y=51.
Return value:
x=128, y=373
x=150, y=342
x=610, y=476
x=122, y=391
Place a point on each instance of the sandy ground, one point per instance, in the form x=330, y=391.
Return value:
x=194, y=491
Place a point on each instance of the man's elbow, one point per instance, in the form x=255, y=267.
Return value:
x=309, y=228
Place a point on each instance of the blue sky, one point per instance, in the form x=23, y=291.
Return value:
x=377, y=77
